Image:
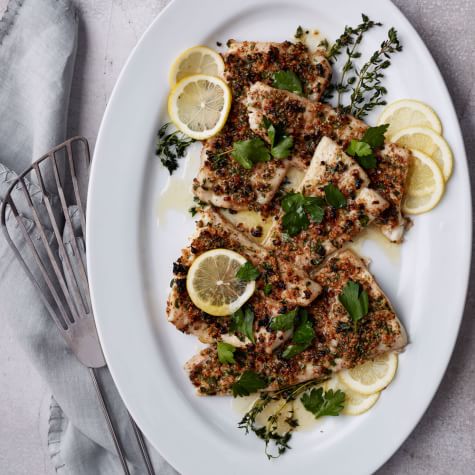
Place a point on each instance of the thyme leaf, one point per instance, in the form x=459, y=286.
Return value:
x=171, y=146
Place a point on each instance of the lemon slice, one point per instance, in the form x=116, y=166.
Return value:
x=212, y=283
x=355, y=403
x=199, y=105
x=425, y=185
x=429, y=142
x=196, y=60
x=409, y=113
x=372, y=376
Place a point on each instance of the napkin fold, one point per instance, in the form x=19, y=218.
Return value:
x=37, y=52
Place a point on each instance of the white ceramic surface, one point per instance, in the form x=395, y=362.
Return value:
x=130, y=272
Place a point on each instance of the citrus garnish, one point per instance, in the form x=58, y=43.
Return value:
x=212, y=283
x=196, y=60
x=199, y=105
x=409, y=113
x=355, y=403
x=372, y=376
x=427, y=141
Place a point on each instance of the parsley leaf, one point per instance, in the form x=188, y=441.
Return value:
x=249, y=152
x=242, y=322
x=267, y=289
x=283, y=148
x=302, y=337
x=280, y=144
x=374, y=136
x=355, y=301
x=247, y=272
x=363, y=149
x=248, y=383
x=328, y=403
x=226, y=352
x=334, y=196
x=297, y=209
x=284, y=322
x=288, y=81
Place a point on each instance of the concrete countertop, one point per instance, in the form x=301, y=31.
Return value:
x=444, y=441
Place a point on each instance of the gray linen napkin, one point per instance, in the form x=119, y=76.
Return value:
x=37, y=53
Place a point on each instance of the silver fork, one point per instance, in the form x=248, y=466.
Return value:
x=54, y=260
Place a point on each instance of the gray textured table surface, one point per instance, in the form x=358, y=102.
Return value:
x=444, y=441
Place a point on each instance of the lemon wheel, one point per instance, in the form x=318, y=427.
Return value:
x=427, y=141
x=372, y=376
x=199, y=105
x=212, y=283
x=196, y=60
x=409, y=113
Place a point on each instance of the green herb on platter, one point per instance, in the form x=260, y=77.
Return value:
x=284, y=321
x=171, y=146
x=299, y=210
x=242, y=323
x=363, y=150
x=248, y=383
x=276, y=442
x=303, y=336
x=334, y=196
x=267, y=289
x=249, y=152
x=226, y=352
x=247, y=272
x=280, y=144
x=288, y=81
x=323, y=403
x=355, y=301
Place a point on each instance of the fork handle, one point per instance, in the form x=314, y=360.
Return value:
x=142, y=446
x=110, y=426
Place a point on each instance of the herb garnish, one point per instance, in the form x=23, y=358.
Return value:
x=280, y=144
x=302, y=337
x=363, y=149
x=299, y=33
x=355, y=301
x=248, y=383
x=288, y=81
x=267, y=289
x=247, y=272
x=269, y=433
x=226, y=352
x=284, y=321
x=320, y=403
x=170, y=147
x=249, y=152
x=298, y=208
x=242, y=323
x=334, y=196
x=365, y=82
x=368, y=92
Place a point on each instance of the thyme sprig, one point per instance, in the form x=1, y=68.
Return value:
x=349, y=41
x=368, y=92
x=171, y=146
x=277, y=443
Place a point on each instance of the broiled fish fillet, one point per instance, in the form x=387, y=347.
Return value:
x=223, y=182
x=290, y=286
x=330, y=164
x=307, y=122
x=337, y=344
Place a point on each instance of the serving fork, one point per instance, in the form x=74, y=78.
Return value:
x=53, y=256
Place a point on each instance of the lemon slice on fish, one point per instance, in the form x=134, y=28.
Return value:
x=427, y=141
x=199, y=105
x=409, y=113
x=355, y=403
x=212, y=283
x=196, y=60
x=425, y=185
x=372, y=376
